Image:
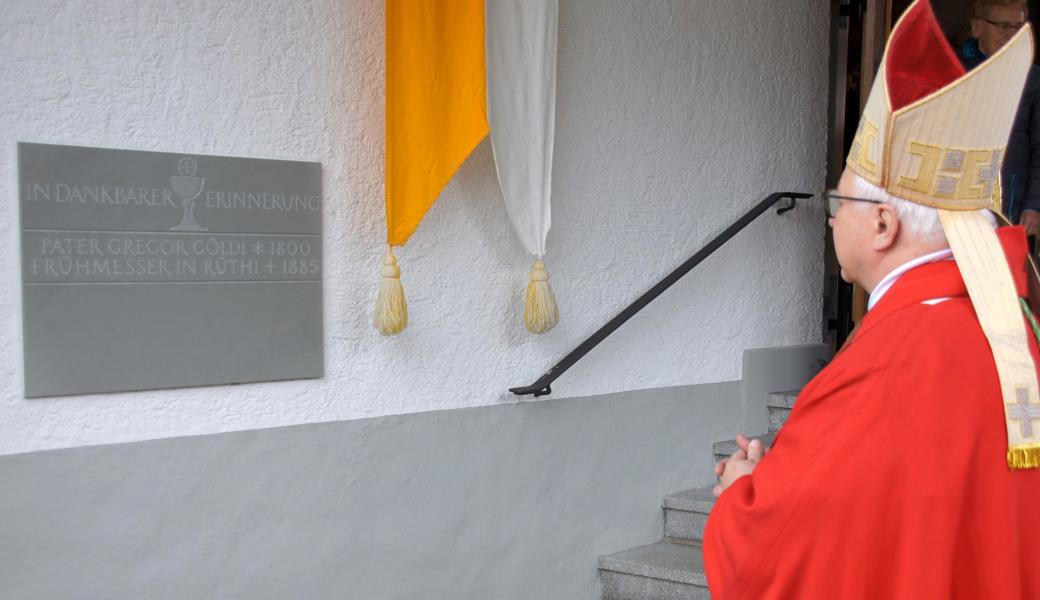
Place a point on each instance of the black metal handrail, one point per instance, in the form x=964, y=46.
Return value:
x=542, y=387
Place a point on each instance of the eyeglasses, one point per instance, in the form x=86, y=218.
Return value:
x=833, y=201
x=1005, y=26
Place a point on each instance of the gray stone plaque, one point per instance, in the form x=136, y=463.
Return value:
x=145, y=270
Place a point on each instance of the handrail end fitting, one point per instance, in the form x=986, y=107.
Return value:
x=792, y=200
x=536, y=390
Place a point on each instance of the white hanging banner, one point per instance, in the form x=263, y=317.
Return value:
x=521, y=88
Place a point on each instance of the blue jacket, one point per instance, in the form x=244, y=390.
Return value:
x=1020, y=176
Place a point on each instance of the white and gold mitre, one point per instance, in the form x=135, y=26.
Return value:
x=934, y=134
x=931, y=133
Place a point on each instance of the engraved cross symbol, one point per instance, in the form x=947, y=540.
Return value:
x=1024, y=412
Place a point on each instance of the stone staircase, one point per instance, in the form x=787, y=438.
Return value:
x=673, y=568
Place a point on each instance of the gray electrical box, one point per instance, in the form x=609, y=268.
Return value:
x=144, y=270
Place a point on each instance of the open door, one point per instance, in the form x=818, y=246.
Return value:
x=859, y=29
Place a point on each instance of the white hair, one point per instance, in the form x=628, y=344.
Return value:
x=917, y=219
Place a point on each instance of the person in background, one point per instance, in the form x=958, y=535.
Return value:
x=993, y=23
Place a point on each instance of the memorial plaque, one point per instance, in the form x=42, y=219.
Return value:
x=144, y=270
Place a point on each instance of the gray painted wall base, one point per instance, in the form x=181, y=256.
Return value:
x=768, y=370
x=508, y=502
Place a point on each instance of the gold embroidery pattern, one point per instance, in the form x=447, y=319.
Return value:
x=929, y=156
x=954, y=173
x=864, y=147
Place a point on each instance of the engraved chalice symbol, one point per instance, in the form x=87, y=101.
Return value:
x=187, y=187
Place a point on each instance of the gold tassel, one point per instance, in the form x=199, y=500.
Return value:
x=1024, y=456
x=391, y=308
x=540, y=311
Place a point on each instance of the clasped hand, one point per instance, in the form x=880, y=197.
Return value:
x=740, y=463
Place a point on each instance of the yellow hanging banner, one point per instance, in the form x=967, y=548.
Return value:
x=436, y=102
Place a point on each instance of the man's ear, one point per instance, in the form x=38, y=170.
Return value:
x=886, y=227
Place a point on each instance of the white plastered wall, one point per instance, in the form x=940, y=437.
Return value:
x=674, y=117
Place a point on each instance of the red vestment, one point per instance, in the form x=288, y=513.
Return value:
x=890, y=479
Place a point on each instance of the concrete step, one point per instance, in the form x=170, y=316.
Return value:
x=686, y=513
x=673, y=569
x=661, y=571
x=725, y=449
x=779, y=405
